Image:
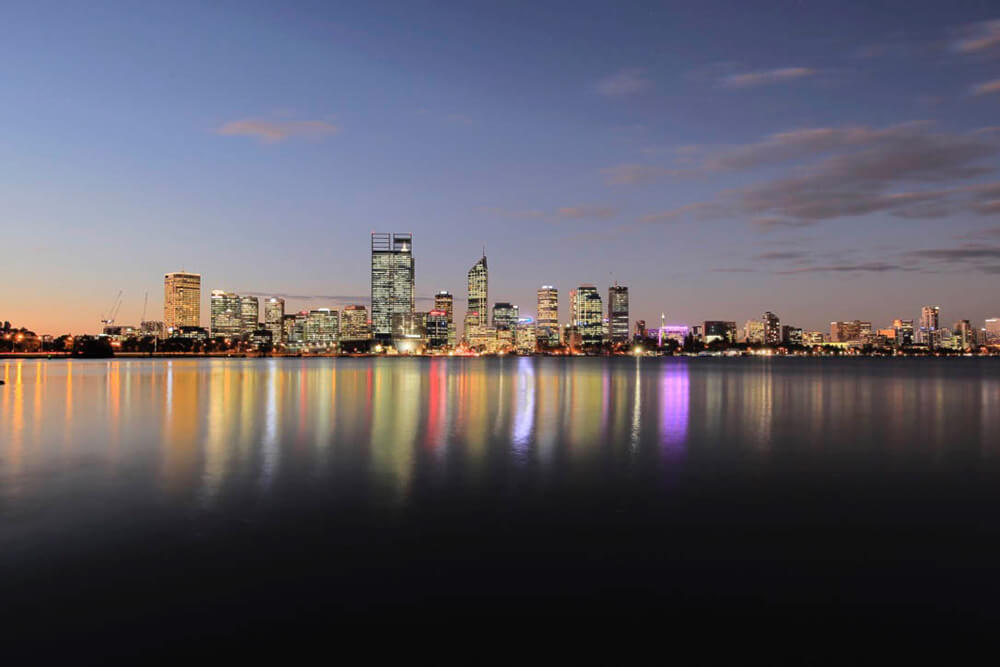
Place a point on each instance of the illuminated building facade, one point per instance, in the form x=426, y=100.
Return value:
x=181, y=300
x=904, y=331
x=321, y=329
x=274, y=314
x=753, y=332
x=991, y=330
x=445, y=302
x=476, y=314
x=791, y=335
x=354, y=323
x=392, y=280
x=618, y=313
x=772, y=328
x=717, y=330
x=249, y=315
x=505, y=315
x=437, y=326
x=547, y=322
x=225, y=313
x=589, y=314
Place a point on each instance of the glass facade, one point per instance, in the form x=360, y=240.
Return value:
x=181, y=300
x=225, y=317
x=392, y=280
x=618, y=313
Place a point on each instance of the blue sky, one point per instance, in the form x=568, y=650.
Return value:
x=821, y=160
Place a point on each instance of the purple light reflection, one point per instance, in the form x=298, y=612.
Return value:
x=675, y=404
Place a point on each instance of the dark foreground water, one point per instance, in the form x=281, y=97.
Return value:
x=241, y=504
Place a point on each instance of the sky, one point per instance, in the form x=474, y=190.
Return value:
x=822, y=160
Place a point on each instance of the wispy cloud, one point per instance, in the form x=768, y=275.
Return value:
x=635, y=174
x=625, y=82
x=987, y=88
x=701, y=210
x=863, y=267
x=586, y=211
x=766, y=77
x=979, y=37
x=578, y=212
x=271, y=131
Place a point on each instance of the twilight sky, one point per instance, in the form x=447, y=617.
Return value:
x=821, y=160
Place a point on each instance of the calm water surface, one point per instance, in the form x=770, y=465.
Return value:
x=857, y=488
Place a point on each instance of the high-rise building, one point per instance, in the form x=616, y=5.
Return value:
x=547, y=322
x=274, y=313
x=718, y=330
x=153, y=328
x=249, y=315
x=929, y=316
x=437, y=329
x=322, y=329
x=965, y=334
x=904, y=331
x=225, y=313
x=476, y=314
x=181, y=300
x=445, y=302
x=354, y=323
x=991, y=330
x=505, y=315
x=847, y=332
x=772, y=328
x=812, y=338
x=618, y=313
x=392, y=280
x=753, y=332
x=589, y=315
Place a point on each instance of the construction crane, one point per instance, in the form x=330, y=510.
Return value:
x=113, y=312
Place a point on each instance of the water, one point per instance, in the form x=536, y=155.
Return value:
x=205, y=494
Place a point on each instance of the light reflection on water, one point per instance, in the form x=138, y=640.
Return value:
x=195, y=431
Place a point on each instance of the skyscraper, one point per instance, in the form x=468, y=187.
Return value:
x=225, y=313
x=618, y=313
x=392, y=280
x=991, y=330
x=274, y=312
x=589, y=314
x=547, y=322
x=772, y=328
x=249, y=315
x=181, y=300
x=477, y=313
x=505, y=315
x=929, y=316
x=354, y=323
x=444, y=302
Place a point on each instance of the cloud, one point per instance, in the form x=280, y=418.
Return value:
x=979, y=37
x=620, y=84
x=767, y=224
x=586, y=211
x=781, y=255
x=272, y=131
x=702, y=211
x=635, y=174
x=864, y=267
x=765, y=77
x=987, y=88
x=963, y=253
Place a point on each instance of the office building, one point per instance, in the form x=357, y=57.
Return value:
x=965, y=335
x=991, y=331
x=476, y=314
x=392, y=281
x=716, y=330
x=640, y=329
x=225, y=314
x=437, y=325
x=772, y=328
x=753, y=332
x=181, y=300
x=249, y=315
x=904, y=331
x=547, y=322
x=354, y=324
x=791, y=335
x=505, y=315
x=274, y=313
x=618, y=314
x=153, y=328
x=589, y=313
x=321, y=330
x=847, y=332
x=445, y=302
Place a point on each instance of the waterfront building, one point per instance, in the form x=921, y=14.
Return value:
x=929, y=323
x=153, y=328
x=249, y=315
x=848, y=332
x=261, y=339
x=181, y=300
x=772, y=328
x=505, y=315
x=476, y=314
x=445, y=302
x=526, y=336
x=965, y=335
x=753, y=332
x=274, y=313
x=437, y=327
x=712, y=330
x=225, y=314
x=640, y=329
x=589, y=313
x=392, y=281
x=293, y=330
x=791, y=335
x=812, y=338
x=991, y=331
x=618, y=313
x=904, y=332
x=354, y=323
x=321, y=330
x=547, y=322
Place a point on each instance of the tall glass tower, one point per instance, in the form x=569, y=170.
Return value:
x=274, y=313
x=181, y=300
x=249, y=315
x=588, y=313
x=392, y=281
x=618, y=313
x=477, y=314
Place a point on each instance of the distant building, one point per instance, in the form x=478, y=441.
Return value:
x=618, y=313
x=929, y=323
x=965, y=334
x=249, y=315
x=812, y=338
x=791, y=335
x=588, y=312
x=505, y=315
x=772, y=328
x=181, y=300
x=904, y=332
x=261, y=339
x=991, y=331
x=445, y=302
x=640, y=329
x=437, y=326
x=322, y=329
x=274, y=313
x=225, y=314
x=392, y=280
x=153, y=328
x=547, y=322
x=847, y=332
x=753, y=332
x=715, y=330
x=354, y=324
x=476, y=313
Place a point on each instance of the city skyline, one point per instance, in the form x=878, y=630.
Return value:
x=850, y=174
